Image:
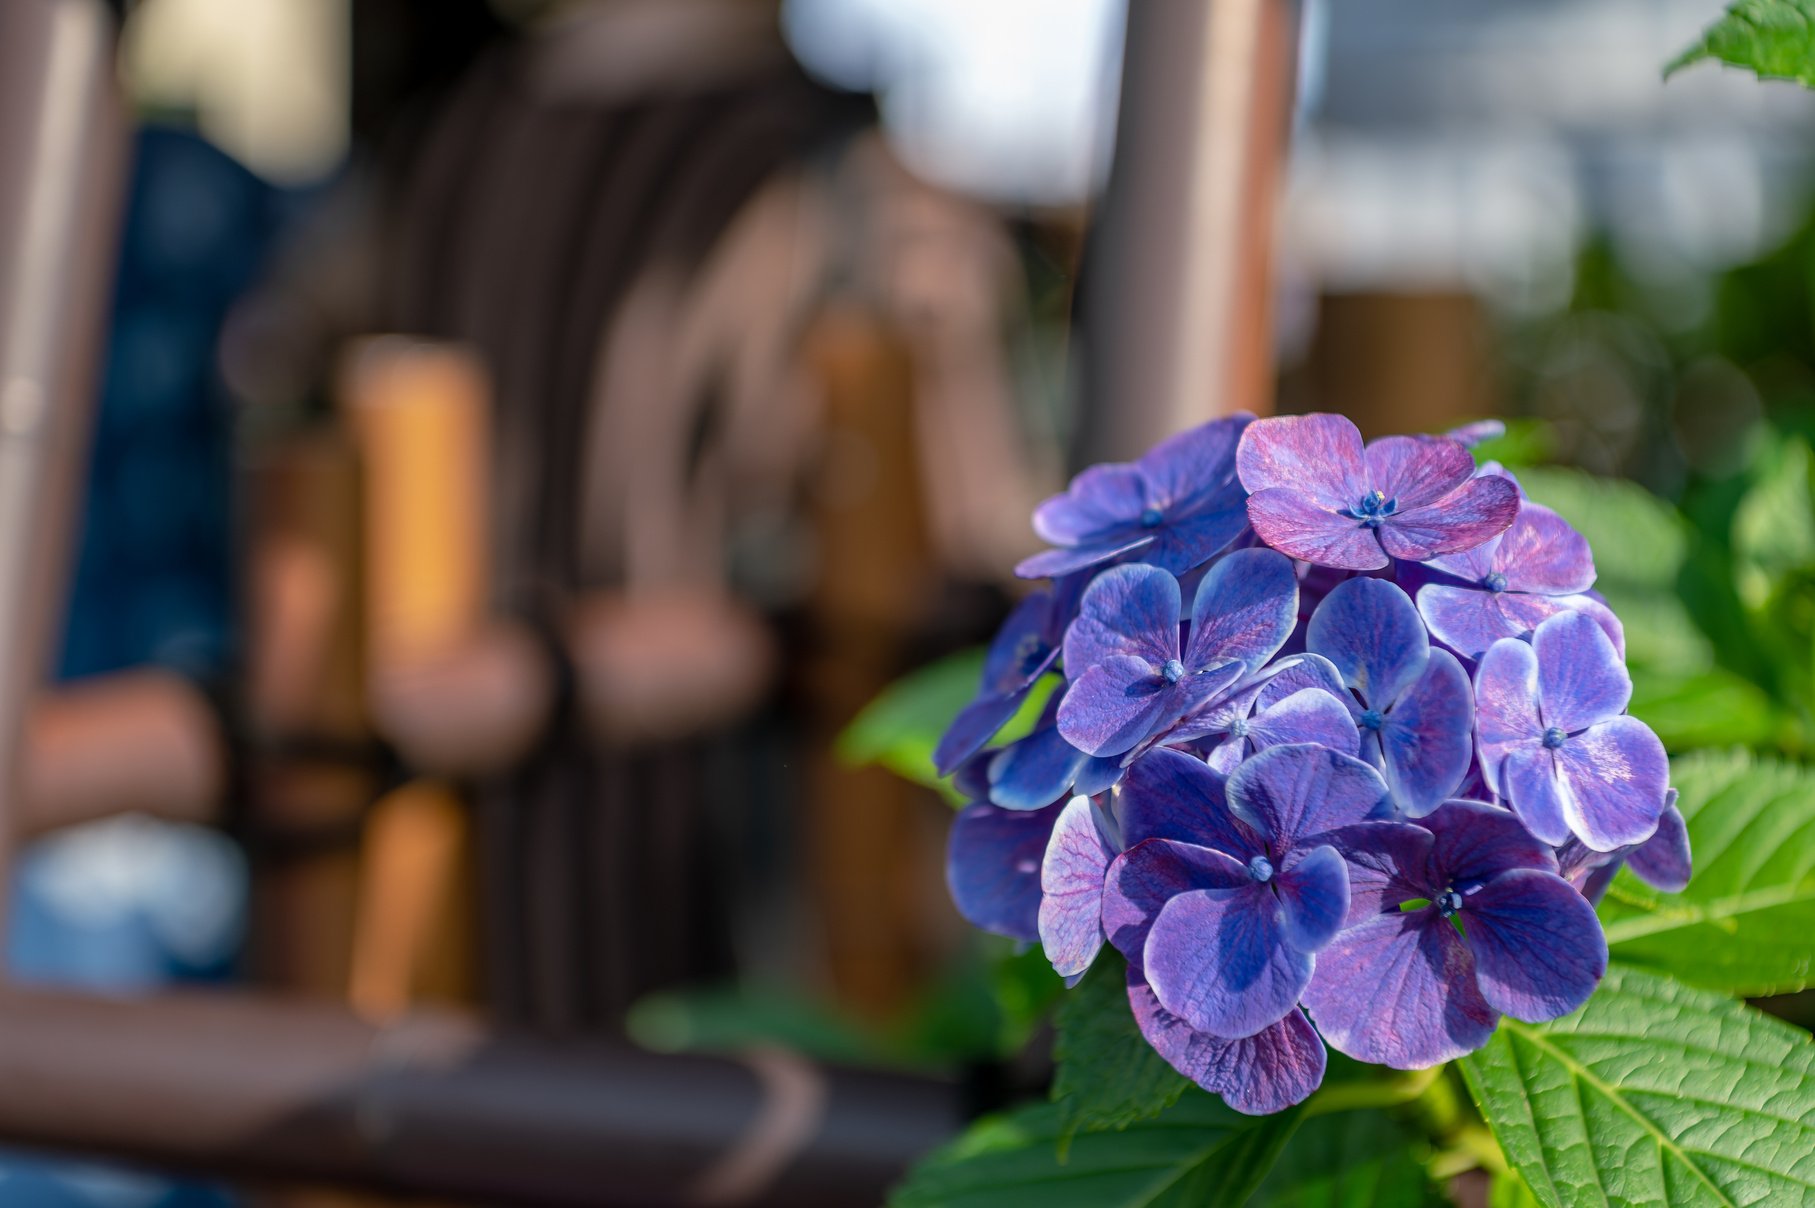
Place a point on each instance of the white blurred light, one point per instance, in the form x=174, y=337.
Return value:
x=1010, y=99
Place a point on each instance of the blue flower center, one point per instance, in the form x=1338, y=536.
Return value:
x=1495, y=581
x=1448, y=903
x=1553, y=738
x=1371, y=719
x=1151, y=518
x=1238, y=728
x=1373, y=508
x=1261, y=869
x=1174, y=671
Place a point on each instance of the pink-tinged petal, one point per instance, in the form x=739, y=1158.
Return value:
x=1293, y=794
x=1530, y=784
x=1297, y=673
x=1145, y=877
x=1663, y=861
x=1052, y=563
x=1315, y=894
x=1472, y=434
x=1581, y=679
x=1428, y=739
x=1468, y=620
x=1311, y=715
x=1098, y=500
x=1389, y=863
x=1475, y=841
x=1183, y=470
x=1616, y=774
x=992, y=867
x=1071, y=889
x=974, y=726
x=1472, y=566
x=1035, y=771
x=1172, y=795
x=1399, y=990
x=1506, y=705
x=1320, y=455
x=1245, y=608
x=1370, y=631
x=1478, y=509
x=1541, y=553
x=1538, y=947
x=1218, y=960
x=1294, y=523
x=1113, y=706
x=1131, y=610
x=1603, y=616
x=1258, y=1075
x=1413, y=471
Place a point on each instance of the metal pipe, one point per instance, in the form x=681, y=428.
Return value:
x=62, y=151
x=435, y=1105
x=1178, y=303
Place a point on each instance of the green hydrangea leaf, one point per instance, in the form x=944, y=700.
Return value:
x=1744, y=923
x=1351, y=1159
x=1775, y=39
x=1653, y=1093
x=1108, y=1076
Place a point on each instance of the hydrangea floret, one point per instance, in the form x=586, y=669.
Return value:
x=1362, y=793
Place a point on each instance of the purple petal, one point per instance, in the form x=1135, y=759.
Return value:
x=1530, y=784
x=1258, y=1075
x=1193, y=466
x=1039, y=769
x=1663, y=861
x=1370, y=631
x=1244, y=609
x=1417, y=470
x=1538, y=947
x=1616, y=775
x=1541, y=553
x=1399, y=990
x=1022, y=649
x=1098, y=776
x=992, y=867
x=1071, y=889
x=1581, y=679
x=1099, y=500
x=1315, y=895
x=1226, y=755
x=1428, y=738
x=974, y=726
x=1594, y=886
x=1182, y=544
x=1320, y=455
x=1475, y=841
x=1052, y=563
x=1218, y=960
x=1127, y=610
x=1478, y=509
x=1297, y=673
x=1293, y=794
x=1506, y=705
x=1172, y=795
x=1115, y=705
x=1468, y=620
x=1474, y=433
x=1472, y=566
x=1294, y=523
x=1388, y=863
x=1311, y=715
x=1594, y=606
x=1144, y=878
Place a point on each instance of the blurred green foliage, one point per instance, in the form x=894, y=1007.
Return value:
x=1774, y=39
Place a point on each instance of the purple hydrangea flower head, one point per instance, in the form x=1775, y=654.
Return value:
x=1174, y=508
x=1555, y=741
x=1230, y=907
x=992, y=866
x=1662, y=861
x=1411, y=702
x=1451, y=924
x=1317, y=494
x=1025, y=648
x=1131, y=678
x=1512, y=583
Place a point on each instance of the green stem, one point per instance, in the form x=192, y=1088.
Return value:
x=1352, y=1096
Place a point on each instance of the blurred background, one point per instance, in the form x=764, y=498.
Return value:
x=469, y=467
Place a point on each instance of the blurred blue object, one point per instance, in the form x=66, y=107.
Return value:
x=130, y=904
